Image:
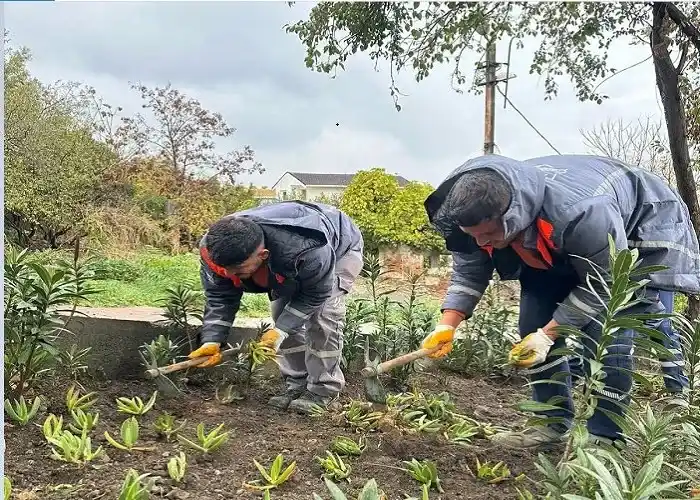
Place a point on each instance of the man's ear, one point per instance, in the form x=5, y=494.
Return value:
x=264, y=253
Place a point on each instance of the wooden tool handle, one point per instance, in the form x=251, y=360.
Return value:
x=188, y=363
x=372, y=371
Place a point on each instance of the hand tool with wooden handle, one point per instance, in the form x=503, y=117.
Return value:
x=189, y=363
x=404, y=359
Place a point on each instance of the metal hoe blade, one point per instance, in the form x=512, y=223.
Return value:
x=374, y=391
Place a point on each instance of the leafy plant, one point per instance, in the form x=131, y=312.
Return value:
x=348, y=447
x=84, y=422
x=129, y=436
x=358, y=415
x=19, y=412
x=52, y=427
x=370, y=491
x=333, y=466
x=135, y=486
x=165, y=425
x=74, y=449
x=177, y=466
x=276, y=476
x=207, y=442
x=461, y=432
x=135, y=405
x=492, y=473
x=7, y=488
x=425, y=472
x=74, y=401
x=72, y=361
x=161, y=351
x=181, y=307
x=228, y=395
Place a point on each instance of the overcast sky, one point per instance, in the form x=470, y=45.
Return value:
x=236, y=58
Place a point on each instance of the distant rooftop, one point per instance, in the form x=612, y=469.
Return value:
x=312, y=179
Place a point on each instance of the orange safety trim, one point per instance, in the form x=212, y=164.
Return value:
x=545, y=230
x=218, y=269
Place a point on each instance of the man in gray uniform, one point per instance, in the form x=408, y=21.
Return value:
x=306, y=257
x=531, y=220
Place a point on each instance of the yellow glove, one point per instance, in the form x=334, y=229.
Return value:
x=273, y=338
x=212, y=349
x=530, y=351
x=443, y=334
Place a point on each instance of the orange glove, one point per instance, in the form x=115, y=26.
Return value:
x=443, y=334
x=212, y=349
x=273, y=338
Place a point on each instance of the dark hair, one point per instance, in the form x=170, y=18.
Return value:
x=477, y=196
x=232, y=240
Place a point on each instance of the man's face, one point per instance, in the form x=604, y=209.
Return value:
x=489, y=232
x=245, y=269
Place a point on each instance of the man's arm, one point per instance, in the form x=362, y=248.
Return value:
x=471, y=273
x=316, y=274
x=223, y=299
x=586, y=242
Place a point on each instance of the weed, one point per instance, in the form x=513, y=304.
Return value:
x=461, y=432
x=334, y=467
x=348, y=447
x=165, y=425
x=358, y=415
x=276, y=476
x=19, y=412
x=136, y=406
x=425, y=472
x=177, y=466
x=129, y=436
x=207, y=442
x=492, y=473
x=228, y=395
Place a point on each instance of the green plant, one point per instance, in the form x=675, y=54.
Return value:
x=84, y=422
x=228, y=395
x=177, y=466
x=348, y=447
x=129, y=436
x=165, y=425
x=74, y=401
x=72, y=361
x=425, y=472
x=461, y=432
x=359, y=415
x=207, y=442
x=492, y=473
x=276, y=476
x=259, y=354
x=181, y=307
x=34, y=296
x=370, y=491
x=334, y=467
x=74, y=449
x=359, y=313
x=161, y=351
x=52, y=427
x=135, y=486
x=19, y=412
x=135, y=405
x=7, y=488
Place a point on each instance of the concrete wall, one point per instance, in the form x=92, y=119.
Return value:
x=286, y=185
x=115, y=335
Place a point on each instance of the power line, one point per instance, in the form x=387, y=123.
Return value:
x=526, y=120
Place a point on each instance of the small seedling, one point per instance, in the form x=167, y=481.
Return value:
x=275, y=476
x=348, y=447
x=207, y=443
x=524, y=494
x=461, y=432
x=492, y=473
x=129, y=435
x=370, y=491
x=228, y=395
x=74, y=449
x=136, y=406
x=259, y=354
x=318, y=411
x=426, y=474
x=136, y=487
x=52, y=427
x=20, y=412
x=165, y=425
x=84, y=422
x=333, y=466
x=177, y=466
x=7, y=488
x=357, y=415
x=75, y=401
x=419, y=421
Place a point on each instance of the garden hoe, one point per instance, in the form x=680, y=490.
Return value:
x=374, y=391
x=166, y=385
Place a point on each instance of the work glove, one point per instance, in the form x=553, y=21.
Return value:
x=212, y=349
x=443, y=334
x=532, y=350
x=273, y=338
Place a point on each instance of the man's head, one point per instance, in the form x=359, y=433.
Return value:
x=237, y=245
x=477, y=203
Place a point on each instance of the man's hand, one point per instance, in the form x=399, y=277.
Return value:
x=443, y=334
x=532, y=350
x=212, y=349
x=273, y=338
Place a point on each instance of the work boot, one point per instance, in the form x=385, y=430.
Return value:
x=308, y=402
x=282, y=401
x=532, y=437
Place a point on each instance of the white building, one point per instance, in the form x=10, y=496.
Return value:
x=311, y=186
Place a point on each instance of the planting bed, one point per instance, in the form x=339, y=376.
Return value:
x=259, y=432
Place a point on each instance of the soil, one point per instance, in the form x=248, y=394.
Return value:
x=261, y=433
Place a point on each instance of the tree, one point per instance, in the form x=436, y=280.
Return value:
x=641, y=143
x=408, y=221
x=52, y=163
x=573, y=37
x=183, y=132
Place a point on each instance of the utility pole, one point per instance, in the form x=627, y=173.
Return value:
x=490, y=97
